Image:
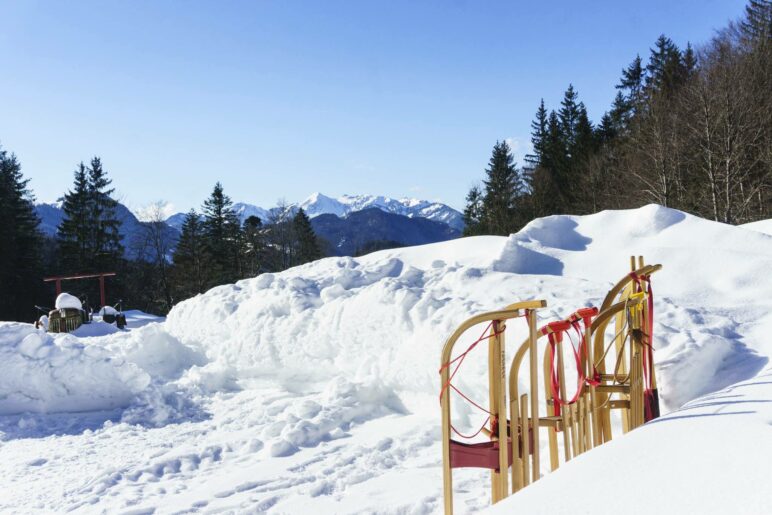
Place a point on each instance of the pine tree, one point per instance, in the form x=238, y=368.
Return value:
x=689, y=61
x=584, y=140
x=538, y=137
x=307, y=244
x=74, y=232
x=473, y=212
x=254, y=246
x=617, y=121
x=190, y=258
x=503, y=185
x=20, y=243
x=105, y=227
x=665, y=68
x=222, y=233
x=756, y=27
x=553, y=179
x=569, y=118
x=632, y=83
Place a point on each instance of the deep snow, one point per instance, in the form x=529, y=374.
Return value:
x=316, y=388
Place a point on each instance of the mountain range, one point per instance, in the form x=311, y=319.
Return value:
x=319, y=204
x=350, y=223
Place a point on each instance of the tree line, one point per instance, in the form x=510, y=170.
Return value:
x=213, y=247
x=689, y=129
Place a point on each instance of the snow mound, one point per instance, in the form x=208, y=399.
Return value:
x=382, y=317
x=41, y=373
x=67, y=301
x=107, y=310
x=707, y=458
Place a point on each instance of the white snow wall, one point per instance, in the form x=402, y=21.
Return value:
x=383, y=318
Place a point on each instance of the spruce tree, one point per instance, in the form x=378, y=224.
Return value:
x=538, y=137
x=552, y=179
x=105, y=227
x=503, y=186
x=665, y=68
x=222, y=233
x=689, y=62
x=308, y=248
x=254, y=246
x=617, y=120
x=632, y=83
x=473, y=213
x=74, y=232
x=756, y=26
x=569, y=117
x=190, y=258
x=20, y=243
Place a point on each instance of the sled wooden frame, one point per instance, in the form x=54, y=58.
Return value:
x=601, y=396
x=497, y=392
x=573, y=421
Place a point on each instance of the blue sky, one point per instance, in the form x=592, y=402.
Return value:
x=280, y=99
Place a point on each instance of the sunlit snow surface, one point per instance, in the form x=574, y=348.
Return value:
x=316, y=389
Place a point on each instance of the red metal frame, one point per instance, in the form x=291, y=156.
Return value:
x=58, y=279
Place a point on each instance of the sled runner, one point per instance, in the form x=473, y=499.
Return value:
x=576, y=412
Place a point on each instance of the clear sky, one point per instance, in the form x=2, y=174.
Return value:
x=285, y=98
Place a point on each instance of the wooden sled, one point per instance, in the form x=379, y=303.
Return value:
x=489, y=455
x=582, y=421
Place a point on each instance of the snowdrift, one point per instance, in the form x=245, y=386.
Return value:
x=382, y=318
x=40, y=373
x=317, y=387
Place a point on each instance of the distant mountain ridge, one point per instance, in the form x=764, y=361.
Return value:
x=360, y=229
x=350, y=223
x=319, y=204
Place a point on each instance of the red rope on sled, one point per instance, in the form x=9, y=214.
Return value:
x=460, y=360
x=554, y=332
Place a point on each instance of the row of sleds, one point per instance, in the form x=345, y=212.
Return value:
x=69, y=314
x=608, y=367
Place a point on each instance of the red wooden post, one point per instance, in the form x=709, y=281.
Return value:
x=58, y=280
x=102, y=289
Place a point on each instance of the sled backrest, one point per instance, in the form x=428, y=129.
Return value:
x=494, y=455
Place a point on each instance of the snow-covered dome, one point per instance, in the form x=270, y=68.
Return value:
x=108, y=310
x=65, y=301
x=43, y=322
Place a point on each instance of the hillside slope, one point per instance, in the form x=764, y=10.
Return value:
x=316, y=388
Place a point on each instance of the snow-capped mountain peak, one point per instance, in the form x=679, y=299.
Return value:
x=319, y=204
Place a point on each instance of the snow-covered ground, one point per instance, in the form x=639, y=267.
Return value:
x=316, y=388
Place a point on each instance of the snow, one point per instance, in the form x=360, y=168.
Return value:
x=710, y=456
x=107, y=310
x=41, y=373
x=318, y=204
x=316, y=388
x=67, y=301
x=764, y=226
